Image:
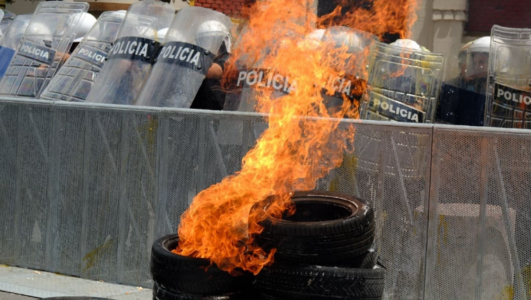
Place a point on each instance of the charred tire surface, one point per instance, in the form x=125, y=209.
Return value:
x=291, y=281
x=326, y=229
x=181, y=274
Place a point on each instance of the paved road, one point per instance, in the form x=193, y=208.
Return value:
x=9, y=296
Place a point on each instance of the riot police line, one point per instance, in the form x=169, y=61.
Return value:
x=123, y=56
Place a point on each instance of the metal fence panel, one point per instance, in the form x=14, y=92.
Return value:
x=67, y=185
x=30, y=212
x=8, y=179
x=479, y=245
x=87, y=188
x=390, y=168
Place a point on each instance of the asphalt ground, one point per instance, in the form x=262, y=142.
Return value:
x=10, y=296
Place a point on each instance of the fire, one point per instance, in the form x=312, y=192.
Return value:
x=383, y=18
x=304, y=140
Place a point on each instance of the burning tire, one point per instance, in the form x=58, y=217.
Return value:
x=312, y=282
x=326, y=229
x=180, y=275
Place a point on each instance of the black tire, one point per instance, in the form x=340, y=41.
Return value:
x=300, y=252
x=291, y=281
x=322, y=214
x=176, y=273
x=326, y=229
x=321, y=241
x=160, y=293
x=370, y=258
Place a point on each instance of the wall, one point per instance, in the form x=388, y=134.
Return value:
x=440, y=25
x=486, y=13
x=231, y=8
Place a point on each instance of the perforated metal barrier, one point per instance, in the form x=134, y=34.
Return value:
x=480, y=212
x=85, y=189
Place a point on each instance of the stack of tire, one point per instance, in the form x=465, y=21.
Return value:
x=325, y=250
x=178, y=277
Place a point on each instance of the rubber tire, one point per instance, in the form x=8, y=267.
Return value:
x=163, y=294
x=359, y=218
x=298, y=252
x=370, y=258
x=176, y=273
x=345, y=232
x=292, y=281
x=322, y=241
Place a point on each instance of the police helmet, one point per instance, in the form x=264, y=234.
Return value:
x=85, y=24
x=481, y=45
x=211, y=34
x=161, y=34
x=407, y=43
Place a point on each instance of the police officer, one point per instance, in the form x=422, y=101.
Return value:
x=87, y=21
x=211, y=95
x=476, y=75
x=462, y=98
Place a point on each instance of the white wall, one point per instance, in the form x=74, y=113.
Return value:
x=440, y=25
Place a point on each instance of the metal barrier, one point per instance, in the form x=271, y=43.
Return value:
x=85, y=189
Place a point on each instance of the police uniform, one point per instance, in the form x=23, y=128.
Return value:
x=211, y=95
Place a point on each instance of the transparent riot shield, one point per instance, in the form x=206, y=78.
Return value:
x=132, y=56
x=462, y=96
x=76, y=77
x=352, y=85
x=509, y=83
x=190, y=47
x=43, y=48
x=254, y=79
x=11, y=39
x=8, y=14
x=228, y=82
x=3, y=23
x=403, y=85
x=234, y=92
x=13, y=34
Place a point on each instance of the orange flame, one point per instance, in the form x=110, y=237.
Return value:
x=382, y=18
x=302, y=144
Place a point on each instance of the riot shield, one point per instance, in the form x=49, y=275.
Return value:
x=462, y=96
x=254, y=76
x=43, y=48
x=254, y=79
x=132, y=56
x=352, y=85
x=11, y=39
x=3, y=23
x=403, y=85
x=191, y=44
x=76, y=77
x=509, y=83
